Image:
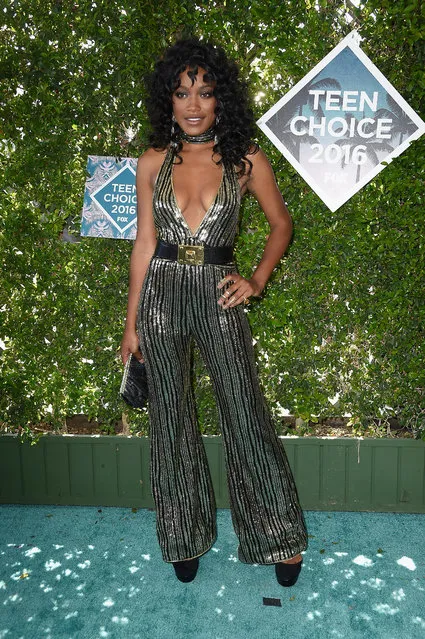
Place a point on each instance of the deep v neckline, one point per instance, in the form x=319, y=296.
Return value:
x=207, y=212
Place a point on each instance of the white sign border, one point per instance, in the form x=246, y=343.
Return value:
x=349, y=41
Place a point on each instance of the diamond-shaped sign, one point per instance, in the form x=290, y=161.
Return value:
x=110, y=203
x=340, y=122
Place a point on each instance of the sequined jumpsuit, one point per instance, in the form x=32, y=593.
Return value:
x=178, y=305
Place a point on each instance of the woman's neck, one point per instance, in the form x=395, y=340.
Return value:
x=202, y=138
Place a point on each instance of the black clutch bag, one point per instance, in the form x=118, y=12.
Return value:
x=134, y=385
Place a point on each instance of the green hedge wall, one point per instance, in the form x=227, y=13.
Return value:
x=340, y=328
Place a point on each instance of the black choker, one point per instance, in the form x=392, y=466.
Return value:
x=207, y=136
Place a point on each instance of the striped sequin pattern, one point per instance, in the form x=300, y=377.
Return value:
x=178, y=309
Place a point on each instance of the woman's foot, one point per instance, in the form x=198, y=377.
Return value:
x=287, y=571
x=186, y=570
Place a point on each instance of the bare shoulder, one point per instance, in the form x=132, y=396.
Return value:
x=257, y=170
x=149, y=164
x=259, y=160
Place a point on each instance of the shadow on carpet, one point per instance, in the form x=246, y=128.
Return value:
x=86, y=572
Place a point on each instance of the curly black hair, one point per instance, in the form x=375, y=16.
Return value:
x=235, y=129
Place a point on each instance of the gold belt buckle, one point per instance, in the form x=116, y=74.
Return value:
x=188, y=254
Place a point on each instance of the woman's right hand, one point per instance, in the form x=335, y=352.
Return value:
x=130, y=344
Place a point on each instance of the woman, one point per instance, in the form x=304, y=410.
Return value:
x=185, y=288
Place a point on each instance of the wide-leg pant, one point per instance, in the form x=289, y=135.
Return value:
x=178, y=304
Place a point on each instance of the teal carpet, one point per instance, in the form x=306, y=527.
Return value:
x=86, y=572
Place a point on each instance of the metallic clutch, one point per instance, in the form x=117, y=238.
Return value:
x=134, y=384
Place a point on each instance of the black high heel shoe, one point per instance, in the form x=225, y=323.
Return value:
x=186, y=570
x=287, y=574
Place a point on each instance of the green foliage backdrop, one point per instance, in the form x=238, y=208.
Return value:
x=340, y=329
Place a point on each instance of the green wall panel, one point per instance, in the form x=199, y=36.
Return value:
x=359, y=476
x=215, y=456
x=11, y=486
x=306, y=468
x=105, y=480
x=81, y=471
x=129, y=471
x=56, y=458
x=331, y=474
x=33, y=471
x=385, y=484
x=411, y=487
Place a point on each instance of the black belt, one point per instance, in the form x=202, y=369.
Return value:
x=194, y=254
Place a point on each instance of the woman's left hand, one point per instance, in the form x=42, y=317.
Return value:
x=240, y=290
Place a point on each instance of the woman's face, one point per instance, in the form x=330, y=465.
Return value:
x=194, y=104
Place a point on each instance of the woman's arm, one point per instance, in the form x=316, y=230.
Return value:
x=143, y=249
x=262, y=185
